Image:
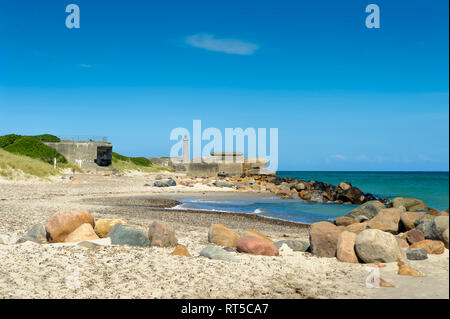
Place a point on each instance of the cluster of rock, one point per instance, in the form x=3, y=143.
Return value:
x=79, y=226
x=288, y=188
x=251, y=242
x=375, y=233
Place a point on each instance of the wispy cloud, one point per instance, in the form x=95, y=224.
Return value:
x=229, y=46
x=338, y=157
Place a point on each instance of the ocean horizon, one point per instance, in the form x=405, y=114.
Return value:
x=431, y=187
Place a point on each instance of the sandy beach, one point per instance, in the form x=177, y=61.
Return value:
x=31, y=270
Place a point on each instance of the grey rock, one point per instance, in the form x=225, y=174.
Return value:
x=123, y=234
x=374, y=245
x=230, y=249
x=425, y=228
x=214, y=252
x=165, y=183
x=295, y=245
x=366, y=211
x=438, y=226
x=37, y=231
x=417, y=254
x=423, y=218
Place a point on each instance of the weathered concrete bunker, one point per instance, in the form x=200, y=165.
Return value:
x=86, y=155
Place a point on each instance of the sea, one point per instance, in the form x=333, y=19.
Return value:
x=431, y=187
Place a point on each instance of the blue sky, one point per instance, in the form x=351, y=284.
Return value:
x=344, y=97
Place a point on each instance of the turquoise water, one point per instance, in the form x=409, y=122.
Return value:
x=432, y=187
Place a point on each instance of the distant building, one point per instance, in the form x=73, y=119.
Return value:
x=85, y=154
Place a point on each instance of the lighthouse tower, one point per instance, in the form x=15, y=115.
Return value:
x=186, y=149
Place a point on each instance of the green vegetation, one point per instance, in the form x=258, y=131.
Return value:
x=139, y=161
x=10, y=163
x=48, y=138
x=32, y=147
x=141, y=164
x=9, y=139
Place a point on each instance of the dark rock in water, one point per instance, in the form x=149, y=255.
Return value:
x=37, y=232
x=123, y=234
x=295, y=245
x=411, y=204
x=417, y=254
x=369, y=197
x=353, y=194
x=165, y=183
x=366, y=211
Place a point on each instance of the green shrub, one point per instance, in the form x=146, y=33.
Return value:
x=48, y=138
x=8, y=140
x=31, y=146
x=139, y=161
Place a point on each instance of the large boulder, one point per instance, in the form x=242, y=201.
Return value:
x=374, y=245
x=387, y=220
x=356, y=228
x=344, y=221
x=256, y=246
x=255, y=233
x=62, y=223
x=103, y=226
x=123, y=234
x=161, y=234
x=411, y=204
x=82, y=233
x=408, y=218
x=366, y=211
x=323, y=239
x=214, y=252
x=425, y=228
x=295, y=245
x=346, y=247
x=423, y=219
x=414, y=235
x=435, y=247
x=222, y=236
x=438, y=225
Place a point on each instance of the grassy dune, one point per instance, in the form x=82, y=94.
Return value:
x=11, y=163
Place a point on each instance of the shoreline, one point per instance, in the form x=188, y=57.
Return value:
x=31, y=270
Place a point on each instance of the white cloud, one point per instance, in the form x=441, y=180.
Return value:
x=229, y=46
x=339, y=157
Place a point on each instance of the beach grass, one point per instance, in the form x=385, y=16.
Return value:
x=10, y=163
